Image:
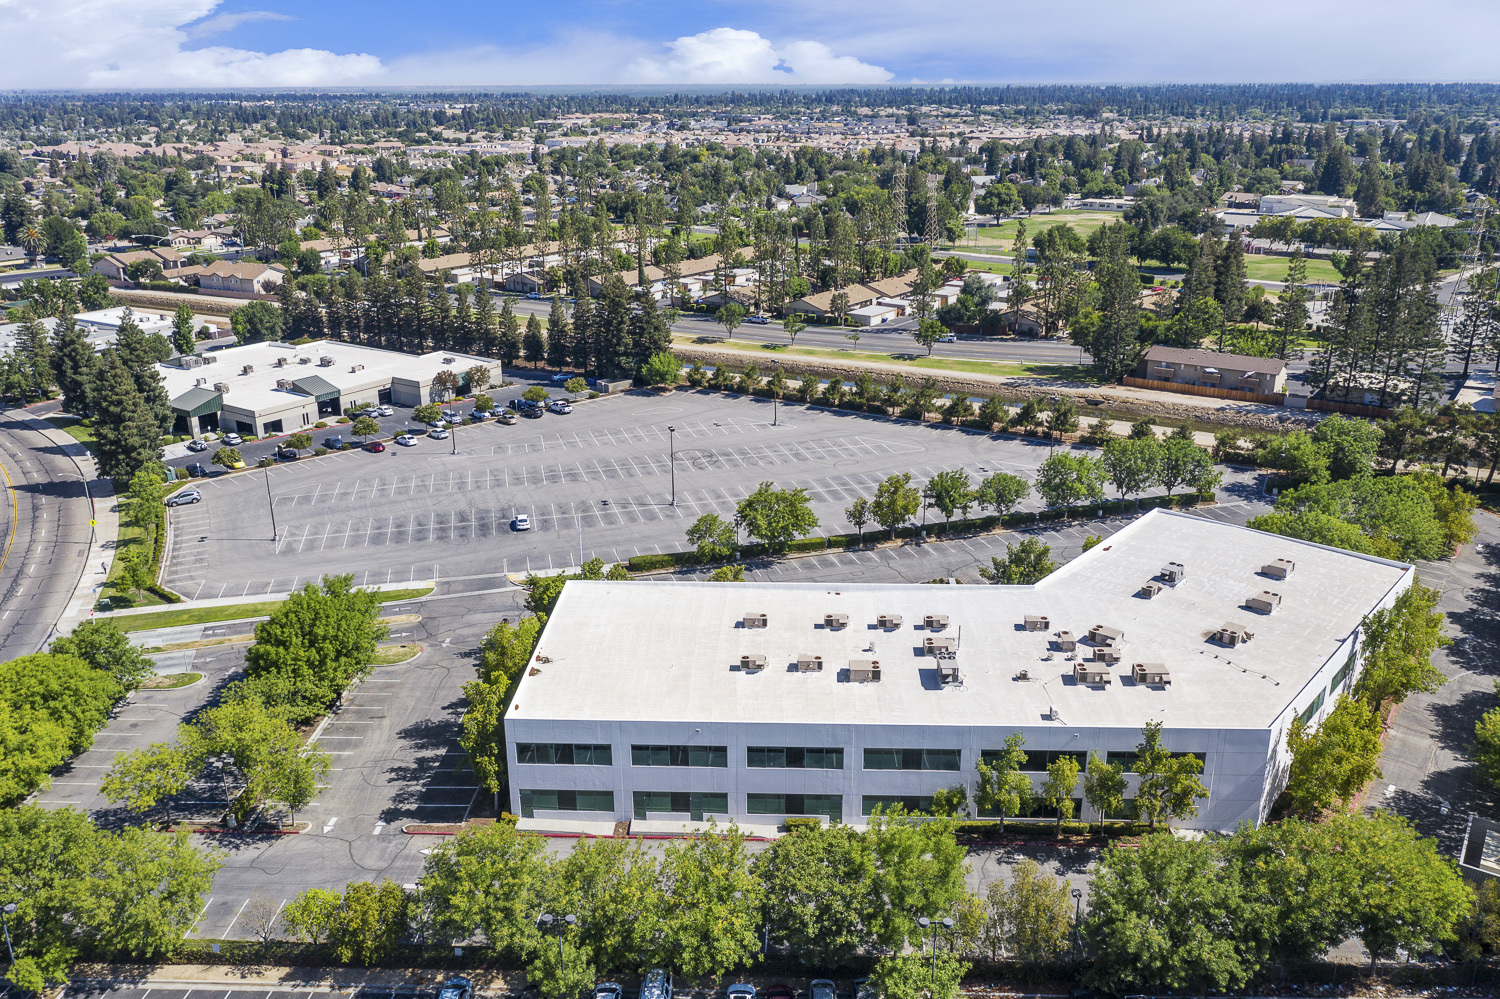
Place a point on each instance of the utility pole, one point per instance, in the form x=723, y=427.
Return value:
x=672, y=461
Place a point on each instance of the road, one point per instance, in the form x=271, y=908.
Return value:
x=44, y=534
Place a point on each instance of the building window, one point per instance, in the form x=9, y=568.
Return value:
x=911, y=759
x=1312, y=709
x=886, y=802
x=1342, y=674
x=566, y=801
x=794, y=758
x=272, y=427
x=679, y=756
x=1128, y=759
x=831, y=805
x=564, y=753
x=694, y=804
x=1037, y=761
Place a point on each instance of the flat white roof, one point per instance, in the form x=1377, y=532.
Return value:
x=646, y=651
x=257, y=390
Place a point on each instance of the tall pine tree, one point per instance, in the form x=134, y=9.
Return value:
x=125, y=429
x=534, y=344
x=559, y=338
x=73, y=363
x=140, y=354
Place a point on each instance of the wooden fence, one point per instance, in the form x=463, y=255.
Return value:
x=1270, y=398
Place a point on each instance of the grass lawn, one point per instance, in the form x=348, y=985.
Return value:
x=1263, y=268
x=74, y=428
x=1085, y=222
x=754, y=351
x=172, y=681
x=234, y=612
x=390, y=655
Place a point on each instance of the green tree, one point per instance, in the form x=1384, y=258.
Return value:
x=661, y=369
x=858, y=514
x=1070, y=479
x=1104, y=786
x=713, y=539
x=145, y=778
x=729, y=316
x=73, y=363
x=928, y=333
x=1348, y=445
x=505, y=651
x=919, y=869
x=1003, y=789
x=1181, y=462
x=228, y=457
x=369, y=923
x=948, y=491
x=714, y=921
x=1133, y=465
x=895, y=503
x=562, y=972
x=1487, y=743
x=1291, y=308
x=615, y=887
x=50, y=707
x=793, y=325
x=534, y=343
x=127, y=438
x=816, y=883
x=101, y=644
x=914, y=976
x=491, y=880
x=364, y=427
x=776, y=516
x=1169, y=787
x=1396, y=646
x=1027, y=562
x=1332, y=764
x=183, y=339
x=427, y=412
x=1057, y=790
x=535, y=393
x=310, y=916
x=1033, y=913
x=728, y=574
x=1002, y=492
x=300, y=441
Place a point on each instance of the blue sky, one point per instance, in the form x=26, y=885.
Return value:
x=229, y=43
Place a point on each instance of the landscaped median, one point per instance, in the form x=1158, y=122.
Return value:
x=219, y=613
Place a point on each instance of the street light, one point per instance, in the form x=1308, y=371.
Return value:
x=9, y=910
x=269, y=501
x=563, y=924
x=672, y=462
x=1077, y=918
x=947, y=924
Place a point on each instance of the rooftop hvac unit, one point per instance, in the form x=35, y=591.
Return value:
x=356, y=367
x=939, y=646
x=447, y=360
x=281, y=362
x=1093, y=674
x=1232, y=634
x=835, y=621
x=1173, y=573
x=864, y=670
x=192, y=361
x=1036, y=622
x=754, y=621
x=247, y=369
x=221, y=387
x=935, y=622
x=752, y=664
x=1106, y=655
x=199, y=382
x=325, y=362
x=1265, y=601
x=210, y=359
x=948, y=673
x=1149, y=589
x=1279, y=569
x=1066, y=642
x=809, y=663
x=304, y=360
x=283, y=384
x=888, y=621
x=1053, y=714
x=1101, y=634
x=1150, y=674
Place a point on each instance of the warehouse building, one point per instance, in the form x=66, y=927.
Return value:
x=281, y=388
x=669, y=703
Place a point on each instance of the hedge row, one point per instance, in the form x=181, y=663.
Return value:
x=674, y=560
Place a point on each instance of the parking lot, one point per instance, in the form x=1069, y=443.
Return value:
x=597, y=483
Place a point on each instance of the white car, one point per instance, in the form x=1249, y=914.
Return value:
x=560, y=406
x=387, y=411
x=522, y=522
x=437, y=435
x=406, y=440
x=232, y=440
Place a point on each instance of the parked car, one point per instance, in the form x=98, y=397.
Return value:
x=197, y=445
x=657, y=984
x=197, y=470
x=451, y=415
x=437, y=435
x=389, y=411
x=438, y=425
x=950, y=338
x=563, y=376
x=741, y=991
x=479, y=415
x=536, y=297
x=184, y=497
x=863, y=989
x=406, y=440
x=560, y=406
x=374, y=447
x=532, y=412
x=508, y=417
x=781, y=991
x=286, y=454
x=333, y=443
x=457, y=987
x=522, y=522
x=822, y=988
x=232, y=440
x=757, y=320
x=609, y=990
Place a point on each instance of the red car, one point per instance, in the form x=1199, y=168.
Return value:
x=375, y=447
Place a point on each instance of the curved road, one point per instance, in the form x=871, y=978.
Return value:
x=44, y=534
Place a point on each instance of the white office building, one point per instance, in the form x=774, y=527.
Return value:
x=670, y=703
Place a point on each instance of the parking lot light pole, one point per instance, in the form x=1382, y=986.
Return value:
x=9, y=910
x=947, y=924
x=563, y=924
x=672, y=461
x=270, y=502
x=1077, y=919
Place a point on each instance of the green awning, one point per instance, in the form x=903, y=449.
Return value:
x=316, y=387
x=198, y=402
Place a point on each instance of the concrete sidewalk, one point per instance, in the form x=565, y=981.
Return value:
x=255, y=598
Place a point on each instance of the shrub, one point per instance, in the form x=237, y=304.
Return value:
x=807, y=545
x=320, y=451
x=321, y=425
x=647, y=563
x=795, y=822
x=593, y=395
x=343, y=419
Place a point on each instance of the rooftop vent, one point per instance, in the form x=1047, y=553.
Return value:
x=1106, y=655
x=283, y=385
x=1151, y=674
x=1279, y=569
x=809, y=663
x=199, y=382
x=1265, y=601
x=755, y=621
x=1094, y=674
x=304, y=360
x=1036, y=622
x=864, y=670
x=1173, y=573
x=1066, y=642
x=1232, y=634
x=751, y=663
x=888, y=621
x=447, y=360
x=1149, y=589
x=939, y=646
x=221, y=387
x=281, y=362
x=935, y=622
x=1101, y=634
x=835, y=621
x=325, y=361
x=247, y=369
x=210, y=359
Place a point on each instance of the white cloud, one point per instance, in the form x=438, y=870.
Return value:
x=733, y=55
x=228, y=22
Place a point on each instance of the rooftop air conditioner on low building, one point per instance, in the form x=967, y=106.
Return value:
x=755, y=620
x=1149, y=589
x=248, y=369
x=325, y=362
x=864, y=670
x=1150, y=674
x=809, y=663
x=835, y=621
x=1103, y=634
x=221, y=387
x=888, y=622
x=1279, y=569
x=1036, y=622
x=1092, y=674
x=1066, y=642
x=1173, y=573
x=939, y=646
x=752, y=663
x=935, y=622
x=1265, y=601
x=1232, y=634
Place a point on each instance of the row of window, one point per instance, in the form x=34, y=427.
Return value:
x=697, y=804
x=807, y=757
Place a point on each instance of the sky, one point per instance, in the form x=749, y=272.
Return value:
x=138, y=44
